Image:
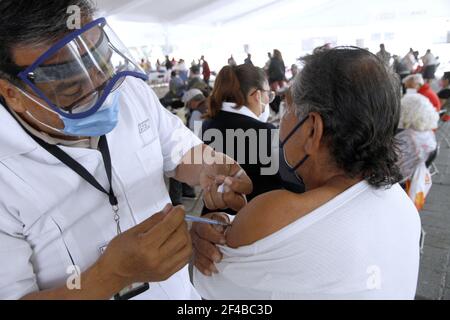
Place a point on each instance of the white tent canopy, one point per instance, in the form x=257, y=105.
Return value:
x=218, y=28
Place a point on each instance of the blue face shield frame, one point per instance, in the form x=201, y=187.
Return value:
x=95, y=66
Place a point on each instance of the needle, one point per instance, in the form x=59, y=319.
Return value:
x=207, y=221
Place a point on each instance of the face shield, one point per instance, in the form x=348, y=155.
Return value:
x=76, y=75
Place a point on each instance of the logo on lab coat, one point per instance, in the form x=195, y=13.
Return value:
x=144, y=126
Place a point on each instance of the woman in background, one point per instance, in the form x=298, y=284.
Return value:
x=239, y=105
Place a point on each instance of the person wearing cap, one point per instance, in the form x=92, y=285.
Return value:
x=195, y=103
x=196, y=82
x=84, y=149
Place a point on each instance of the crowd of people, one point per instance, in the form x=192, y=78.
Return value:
x=416, y=76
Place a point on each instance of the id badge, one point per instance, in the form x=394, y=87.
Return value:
x=130, y=291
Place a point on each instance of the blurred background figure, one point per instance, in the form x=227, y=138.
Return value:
x=418, y=120
x=168, y=64
x=232, y=62
x=277, y=71
x=206, y=71
x=195, y=103
x=183, y=71
x=430, y=64
x=195, y=80
x=410, y=61
x=248, y=60
x=384, y=55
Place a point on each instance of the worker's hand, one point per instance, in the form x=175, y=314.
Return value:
x=223, y=170
x=205, y=237
x=152, y=251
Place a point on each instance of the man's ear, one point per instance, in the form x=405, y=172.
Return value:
x=12, y=96
x=315, y=133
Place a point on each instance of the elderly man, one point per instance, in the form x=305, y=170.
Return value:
x=84, y=146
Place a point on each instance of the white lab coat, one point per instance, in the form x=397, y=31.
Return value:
x=50, y=218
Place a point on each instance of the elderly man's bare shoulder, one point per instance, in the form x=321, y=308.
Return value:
x=265, y=215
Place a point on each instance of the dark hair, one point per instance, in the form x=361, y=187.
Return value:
x=446, y=75
x=444, y=94
x=195, y=69
x=25, y=22
x=233, y=84
x=358, y=99
x=277, y=54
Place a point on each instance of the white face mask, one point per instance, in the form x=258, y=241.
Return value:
x=264, y=117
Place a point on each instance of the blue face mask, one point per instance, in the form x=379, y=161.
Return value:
x=291, y=180
x=98, y=124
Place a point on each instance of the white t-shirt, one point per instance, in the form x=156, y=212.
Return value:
x=364, y=244
x=52, y=219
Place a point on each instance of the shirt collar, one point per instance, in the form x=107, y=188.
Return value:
x=90, y=143
x=411, y=91
x=245, y=111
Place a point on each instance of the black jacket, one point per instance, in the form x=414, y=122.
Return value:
x=277, y=70
x=227, y=120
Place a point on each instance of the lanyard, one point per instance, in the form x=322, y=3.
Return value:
x=83, y=173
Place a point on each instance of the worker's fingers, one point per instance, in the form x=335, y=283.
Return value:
x=208, y=198
x=203, y=264
x=207, y=249
x=207, y=232
x=181, y=258
x=235, y=201
x=178, y=240
x=148, y=224
x=164, y=229
x=199, y=264
x=217, y=198
x=242, y=184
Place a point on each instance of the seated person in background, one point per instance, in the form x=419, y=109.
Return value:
x=415, y=84
x=196, y=81
x=417, y=113
x=415, y=147
x=176, y=90
x=239, y=104
x=195, y=103
x=417, y=140
x=354, y=233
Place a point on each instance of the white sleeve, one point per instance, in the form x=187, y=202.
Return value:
x=17, y=277
x=176, y=139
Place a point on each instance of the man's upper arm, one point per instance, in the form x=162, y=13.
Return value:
x=17, y=278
